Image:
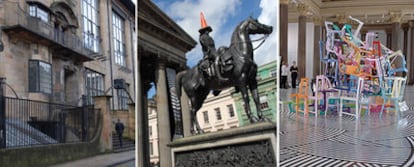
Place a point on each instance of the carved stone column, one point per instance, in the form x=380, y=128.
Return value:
x=164, y=130
x=301, y=57
x=389, y=37
x=410, y=58
x=317, y=37
x=283, y=33
x=395, y=19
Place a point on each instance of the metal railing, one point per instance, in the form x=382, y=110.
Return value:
x=16, y=16
x=29, y=122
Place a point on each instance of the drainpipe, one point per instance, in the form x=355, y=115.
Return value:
x=110, y=54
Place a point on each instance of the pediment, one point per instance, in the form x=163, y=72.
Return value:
x=153, y=15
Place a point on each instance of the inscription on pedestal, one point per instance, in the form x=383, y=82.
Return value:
x=252, y=154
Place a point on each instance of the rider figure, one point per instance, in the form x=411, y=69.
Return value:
x=209, y=50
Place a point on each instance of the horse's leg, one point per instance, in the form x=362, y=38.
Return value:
x=245, y=96
x=255, y=95
x=193, y=115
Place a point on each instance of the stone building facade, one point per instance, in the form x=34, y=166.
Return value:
x=58, y=50
x=266, y=76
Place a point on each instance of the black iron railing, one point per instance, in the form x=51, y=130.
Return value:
x=29, y=122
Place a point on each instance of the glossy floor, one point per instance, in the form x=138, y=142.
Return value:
x=345, y=141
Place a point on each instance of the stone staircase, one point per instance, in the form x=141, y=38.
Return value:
x=128, y=144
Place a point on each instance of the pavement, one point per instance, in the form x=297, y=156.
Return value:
x=122, y=159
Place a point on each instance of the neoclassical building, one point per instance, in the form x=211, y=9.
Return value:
x=162, y=46
x=59, y=50
x=392, y=21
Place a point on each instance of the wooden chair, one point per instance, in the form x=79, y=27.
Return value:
x=354, y=99
x=301, y=97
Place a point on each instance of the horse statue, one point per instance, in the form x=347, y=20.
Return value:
x=237, y=66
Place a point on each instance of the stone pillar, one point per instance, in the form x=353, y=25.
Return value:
x=389, y=38
x=411, y=56
x=283, y=33
x=164, y=129
x=131, y=121
x=301, y=57
x=141, y=137
x=105, y=139
x=317, y=37
x=405, y=27
x=395, y=19
x=185, y=112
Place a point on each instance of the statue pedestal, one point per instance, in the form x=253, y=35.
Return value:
x=252, y=145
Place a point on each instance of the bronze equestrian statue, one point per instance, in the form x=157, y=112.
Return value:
x=234, y=65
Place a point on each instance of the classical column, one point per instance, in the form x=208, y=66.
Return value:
x=389, y=37
x=141, y=134
x=395, y=19
x=283, y=33
x=185, y=112
x=164, y=129
x=317, y=37
x=301, y=57
x=405, y=27
x=411, y=56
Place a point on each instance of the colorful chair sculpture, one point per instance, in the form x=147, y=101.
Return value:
x=354, y=99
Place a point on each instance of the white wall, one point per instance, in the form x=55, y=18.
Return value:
x=293, y=46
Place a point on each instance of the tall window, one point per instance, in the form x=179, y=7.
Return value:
x=118, y=38
x=123, y=98
x=263, y=102
x=151, y=150
x=40, y=76
x=205, y=115
x=231, y=110
x=90, y=15
x=94, y=85
x=36, y=10
x=218, y=113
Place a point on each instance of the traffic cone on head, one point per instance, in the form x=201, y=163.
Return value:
x=204, y=26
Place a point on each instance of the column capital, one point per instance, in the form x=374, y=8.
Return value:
x=303, y=9
x=341, y=18
x=317, y=20
x=405, y=27
x=284, y=2
x=161, y=63
x=411, y=23
x=395, y=16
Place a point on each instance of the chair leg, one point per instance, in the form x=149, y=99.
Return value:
x=340, y=107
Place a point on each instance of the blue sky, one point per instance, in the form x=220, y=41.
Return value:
x=223, y=16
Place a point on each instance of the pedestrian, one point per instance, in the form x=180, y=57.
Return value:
x=294, y=73
x=284, y=75
x=119, y=127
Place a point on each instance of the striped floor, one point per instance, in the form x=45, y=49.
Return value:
x=333, y=141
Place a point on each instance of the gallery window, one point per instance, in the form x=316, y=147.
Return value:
x=94, y=85
x=90, y=17
x=40, y=76
x=118, y=39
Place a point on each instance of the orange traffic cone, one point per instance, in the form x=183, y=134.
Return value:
x=204, y=26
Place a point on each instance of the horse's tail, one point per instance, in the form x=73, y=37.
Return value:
x=178, y=82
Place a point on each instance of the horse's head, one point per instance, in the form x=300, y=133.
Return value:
x=254, y=27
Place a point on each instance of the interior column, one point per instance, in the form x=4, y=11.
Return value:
x=283, y=26
x=301, y=57
x=317, y=37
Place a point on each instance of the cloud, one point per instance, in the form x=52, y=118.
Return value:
x=186, y=13
x=267, y=52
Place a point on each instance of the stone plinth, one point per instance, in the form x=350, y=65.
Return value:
x=252, y=145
